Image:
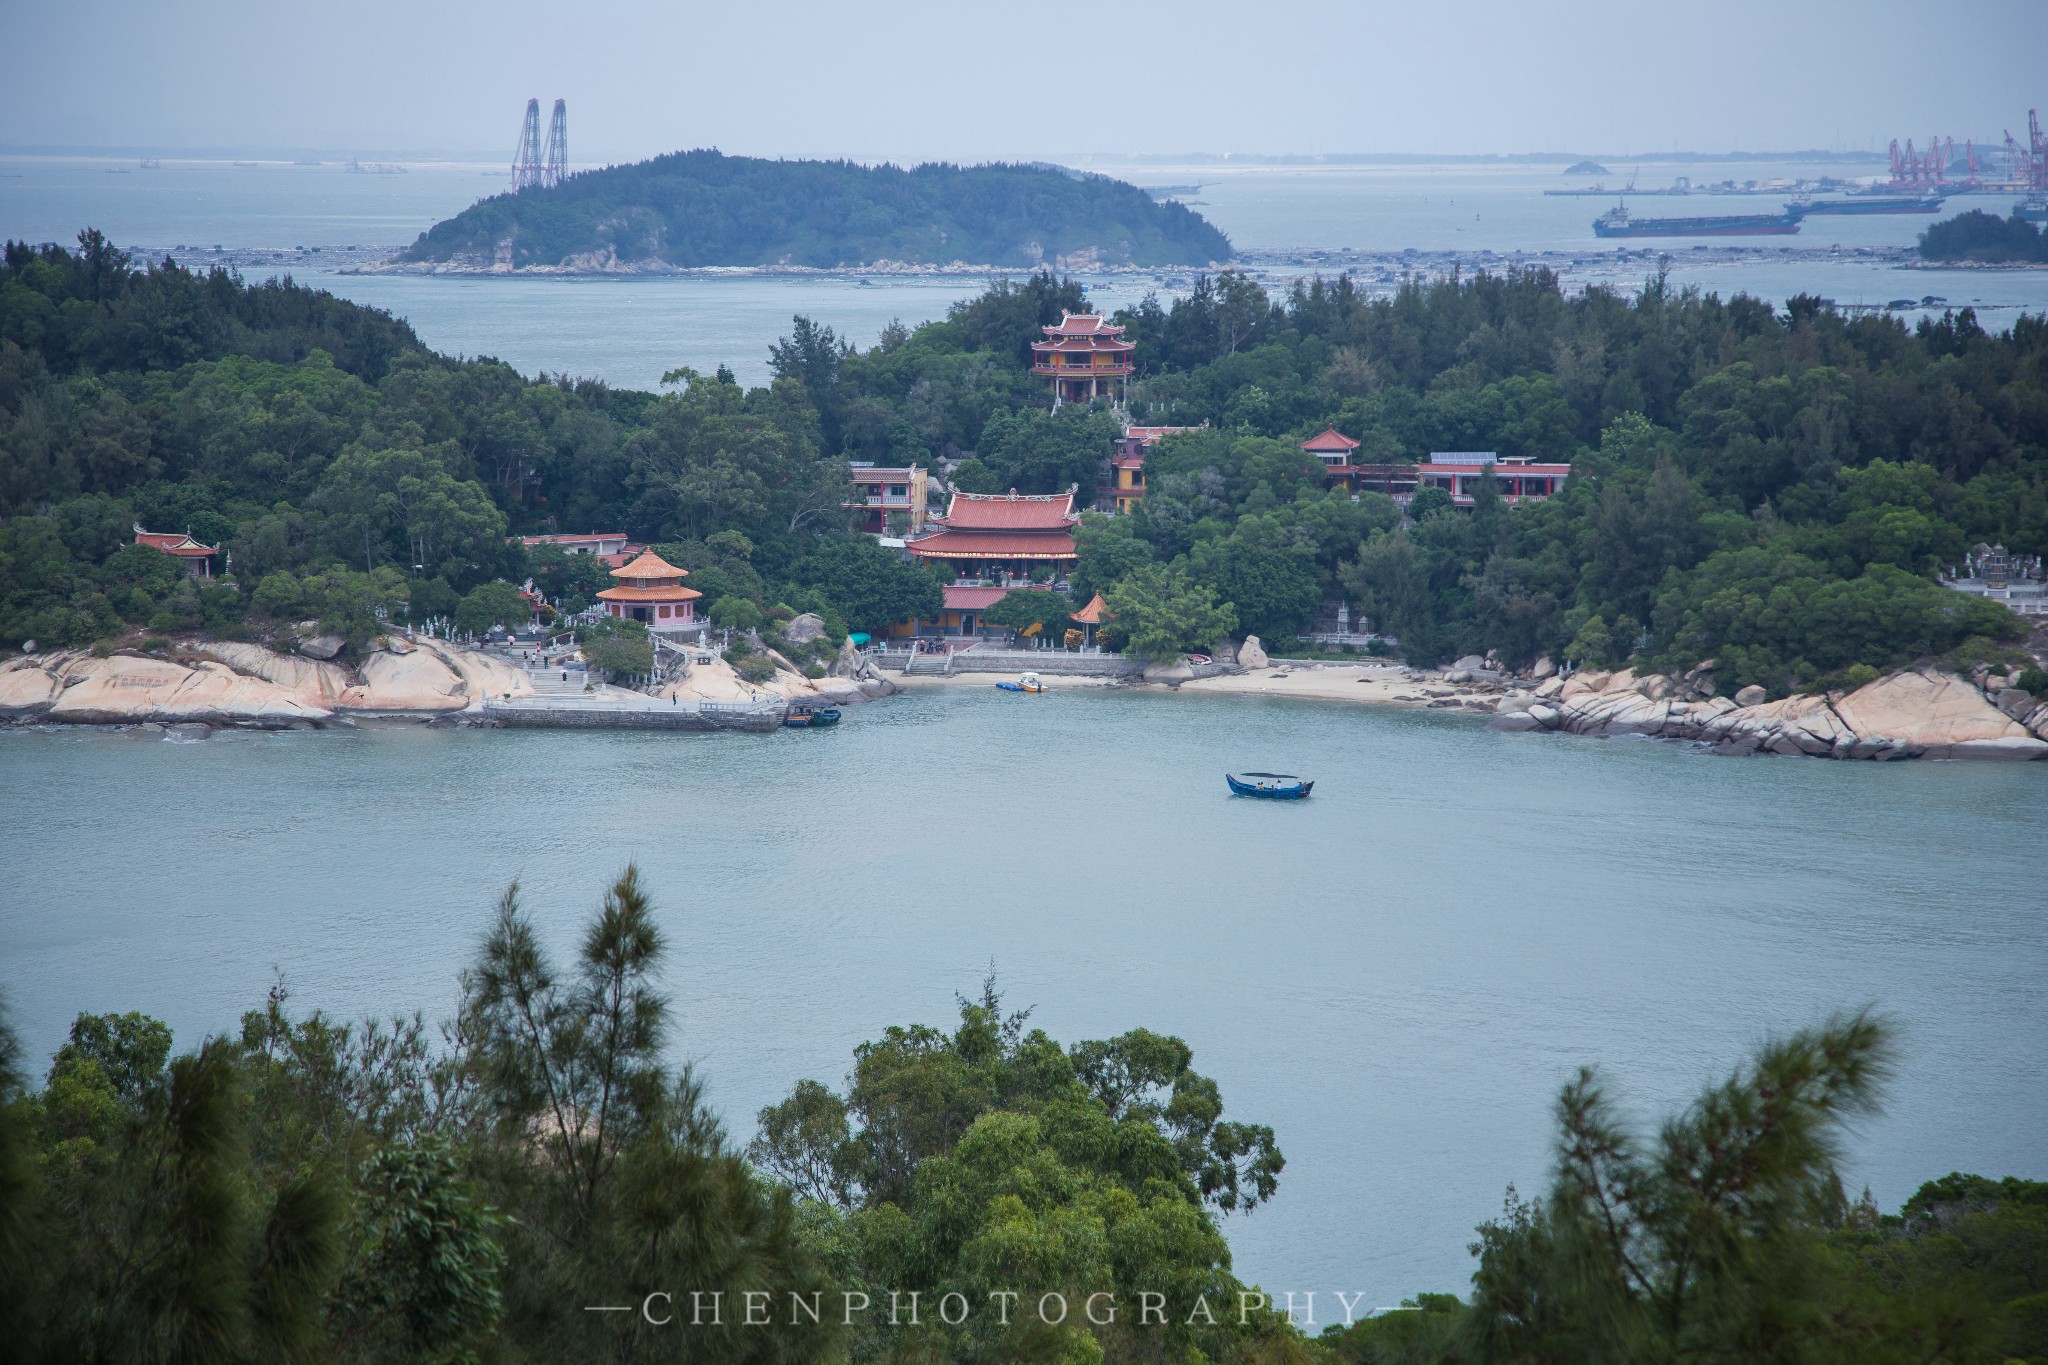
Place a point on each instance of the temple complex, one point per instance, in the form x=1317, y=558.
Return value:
x=197, y=558
x=650, y=590
x=1084, y=358
x=1001, y=538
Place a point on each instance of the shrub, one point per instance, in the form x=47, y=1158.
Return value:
x=814, y=670
x=755, y=668
x=1860, y=675
x=2033, y=680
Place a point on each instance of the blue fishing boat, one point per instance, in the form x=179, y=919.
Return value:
x=1272, y=786
x=803, y=717
x=1028, y=683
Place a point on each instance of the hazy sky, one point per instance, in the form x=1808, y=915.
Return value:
x=968, y=80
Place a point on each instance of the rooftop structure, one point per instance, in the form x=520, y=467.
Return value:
x=1457, y=472
x=880, y=490
x=1084, y=358
x=650, y=590
x=1993, y=572
x=613, y=547
x=1126, y=486
x=999, y=537
x=197, y=558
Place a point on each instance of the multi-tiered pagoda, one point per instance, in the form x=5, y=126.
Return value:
x=1085, y=358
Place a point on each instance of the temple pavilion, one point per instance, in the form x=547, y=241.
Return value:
x=1084, y=357
x=197, y=558
x=1002, y=537
x=650, y=590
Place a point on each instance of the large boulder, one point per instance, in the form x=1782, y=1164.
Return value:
x=1926, y=709
x=1543, y=668
x=322, y=646
x=1751, y=695
x=1470, y=662
x=851, y=663
x=1251, y=654
x=126, y=689
x=1172, y=674
x=28, y=685
x=2015, y=703
x=803, y=629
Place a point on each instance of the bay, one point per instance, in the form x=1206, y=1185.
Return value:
x=1397, y=974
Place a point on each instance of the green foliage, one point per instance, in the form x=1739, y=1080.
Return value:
x=1975, y=235
x=870, y=587
x=701, y=208
x=989, y=1159
x=2034, y=680
x=1160, y=611
x=1022, y=608
x=618, y=647
x=497, y=603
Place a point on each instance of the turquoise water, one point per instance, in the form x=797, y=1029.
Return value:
x=1397, y=974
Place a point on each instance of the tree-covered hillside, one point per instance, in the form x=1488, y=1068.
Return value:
x=1980, y=236
x=702, y=208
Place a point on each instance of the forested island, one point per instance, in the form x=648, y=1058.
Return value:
x=702, y=208
x=367, y=1191
x=1980, y=236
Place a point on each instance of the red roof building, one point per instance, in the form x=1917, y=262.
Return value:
x=1126, y=487
x=1333, y=447
x=197, y=558
x=1084, y=358
x=997, y=537
x=650, y=590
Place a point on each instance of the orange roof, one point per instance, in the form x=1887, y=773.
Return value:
x=174, y=543
x=1331, y=440
x=667, y=592
x=995, y=545
x=1011, y=511
x=1081, y=325
x=972, y=598
x=1092, y=614
x=649, y=565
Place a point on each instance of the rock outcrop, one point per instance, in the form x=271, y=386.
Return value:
x=1913, y=713
x=1252, y=654
x=235, y=684
x=803, y=629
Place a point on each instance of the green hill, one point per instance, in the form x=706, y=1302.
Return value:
x=702, y=208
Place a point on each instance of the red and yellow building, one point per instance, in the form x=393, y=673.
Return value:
x=650, y=590
x=1084, y=358
x=879, y=490
x=1126, y=487
x=999, y=538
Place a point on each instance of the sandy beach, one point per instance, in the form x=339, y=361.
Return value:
x=1379, y=685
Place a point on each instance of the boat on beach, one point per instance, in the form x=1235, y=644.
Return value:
x=1026, y=683
x=1272, y=786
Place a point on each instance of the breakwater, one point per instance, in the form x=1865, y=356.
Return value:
x=634, y=713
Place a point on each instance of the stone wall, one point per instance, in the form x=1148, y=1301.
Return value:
x=571, y=715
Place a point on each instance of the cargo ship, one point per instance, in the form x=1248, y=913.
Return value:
x=1617, y=223
x=2033, y=210
x=1927, y=203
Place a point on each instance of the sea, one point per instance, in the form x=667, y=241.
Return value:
x=1396, y=975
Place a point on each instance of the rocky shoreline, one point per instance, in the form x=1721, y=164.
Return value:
x=1922, y=712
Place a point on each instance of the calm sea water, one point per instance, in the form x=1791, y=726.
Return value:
x=631, y=331
x=1397, y=974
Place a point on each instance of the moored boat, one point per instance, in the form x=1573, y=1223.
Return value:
x=1027, y=683
x=804, y=717
x=1617, y=222
x=1859, y=204
x=1272, y=786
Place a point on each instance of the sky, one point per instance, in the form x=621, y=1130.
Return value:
x=969, y=80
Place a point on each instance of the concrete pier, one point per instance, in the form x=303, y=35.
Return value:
x=634, y=712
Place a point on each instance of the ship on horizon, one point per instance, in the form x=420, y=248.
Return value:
x=1617, y=222
x=1861, y=204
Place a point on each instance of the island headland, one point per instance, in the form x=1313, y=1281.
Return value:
x=697, y=209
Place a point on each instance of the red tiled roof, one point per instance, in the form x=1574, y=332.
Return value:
x=1092, y=614
x=650, y=565
x=976, y=599
x=666, y=592
x=1010, y=511
x=995, y=545
x=174, y=543
x=1331, y=440
x=1152, y=436
x=1082, y=325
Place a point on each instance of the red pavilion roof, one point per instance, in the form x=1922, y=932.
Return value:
x=1010, y=511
